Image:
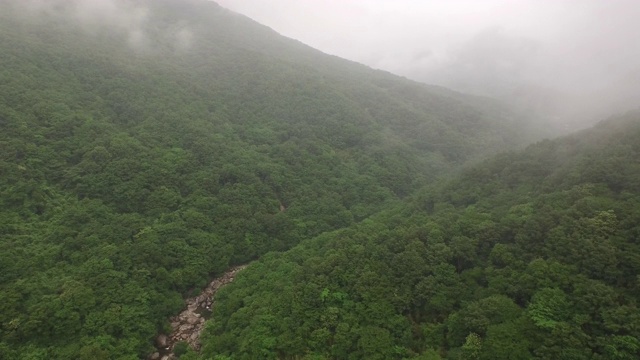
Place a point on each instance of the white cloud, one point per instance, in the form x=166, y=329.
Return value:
x=588, y=42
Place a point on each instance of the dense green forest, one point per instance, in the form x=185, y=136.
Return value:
x=146, y=148
x=530, y=255
x=149, y=145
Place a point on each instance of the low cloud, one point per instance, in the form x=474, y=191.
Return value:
x=97, y=16
x=492, y=47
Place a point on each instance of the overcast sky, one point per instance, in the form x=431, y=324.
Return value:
x=566, y=44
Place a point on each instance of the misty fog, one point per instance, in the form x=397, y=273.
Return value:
x=569, y=61
x=127, y=18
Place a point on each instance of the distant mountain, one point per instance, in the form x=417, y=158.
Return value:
x=566, y=112
x=522, y=73
x=533, y=254
x=149, y=145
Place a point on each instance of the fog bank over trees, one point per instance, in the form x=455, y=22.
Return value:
x=566, y=60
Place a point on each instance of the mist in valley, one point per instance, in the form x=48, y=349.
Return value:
x=152, y=149
x=565, y=63
x=130, y=20
x=570, y=63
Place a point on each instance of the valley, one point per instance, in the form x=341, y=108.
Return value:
x=152, y=150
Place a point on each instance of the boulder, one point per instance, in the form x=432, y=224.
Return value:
x=192, y=320
x=162, y=341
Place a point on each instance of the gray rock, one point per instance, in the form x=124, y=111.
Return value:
x=188, y=325
x=162, y=340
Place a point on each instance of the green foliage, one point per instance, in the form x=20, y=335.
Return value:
x=548, y=307
x=133, y=172
x=180, y=348
x=478, y=267
x=472, y=347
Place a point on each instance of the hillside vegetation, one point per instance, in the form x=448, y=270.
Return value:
x=530, y=255
x=148, y=146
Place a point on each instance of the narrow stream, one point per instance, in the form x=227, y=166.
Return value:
x=187, y=326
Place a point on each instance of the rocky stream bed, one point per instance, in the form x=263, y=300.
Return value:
x=187, y=326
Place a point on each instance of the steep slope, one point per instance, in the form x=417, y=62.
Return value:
x=148, y=145
x=531, y=255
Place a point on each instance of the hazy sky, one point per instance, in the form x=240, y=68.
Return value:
x=566, y=44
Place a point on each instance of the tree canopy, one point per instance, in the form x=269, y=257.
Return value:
x=150, y=146
x=530, y=255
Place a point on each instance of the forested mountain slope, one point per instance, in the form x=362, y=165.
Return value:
x=530, y=255
x=147, y=145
